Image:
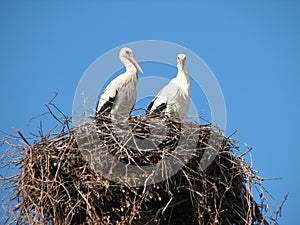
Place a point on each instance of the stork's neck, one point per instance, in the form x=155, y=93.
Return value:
x=130, y=68
x=182, y=79
x=182, y=75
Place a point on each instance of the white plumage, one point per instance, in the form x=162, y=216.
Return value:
x=119, y=96
x=173, y=100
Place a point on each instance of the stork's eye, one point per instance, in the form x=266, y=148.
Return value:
x=127, y=52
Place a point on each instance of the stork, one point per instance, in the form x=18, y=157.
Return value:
x=171, y=103
x=119, y=96
x=173, y=100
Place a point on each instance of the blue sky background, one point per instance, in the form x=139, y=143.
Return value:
x=253, y=48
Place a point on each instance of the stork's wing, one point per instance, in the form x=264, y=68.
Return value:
x=156, y=110
x=107, y=98
x=159, y=103
x=106, y=106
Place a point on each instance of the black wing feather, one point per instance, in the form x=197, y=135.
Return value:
x=107, y=106
x=150, y=106
x=157, y=110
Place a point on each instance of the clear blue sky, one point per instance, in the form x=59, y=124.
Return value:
x=253, y=48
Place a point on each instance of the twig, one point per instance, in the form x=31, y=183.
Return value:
x=23, y=138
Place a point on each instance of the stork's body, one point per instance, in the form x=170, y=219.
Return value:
x=119, y=96
x=173, y=100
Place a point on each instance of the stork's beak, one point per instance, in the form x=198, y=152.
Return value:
x=182, y=62
x=134, y=62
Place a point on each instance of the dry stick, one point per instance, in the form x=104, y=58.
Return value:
x=23, y=138
x=67, y=120
x=278, y=213
x=54, y=116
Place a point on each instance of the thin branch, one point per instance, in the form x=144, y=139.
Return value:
x=23, y=138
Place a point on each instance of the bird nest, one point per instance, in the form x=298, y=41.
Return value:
x=192, y=175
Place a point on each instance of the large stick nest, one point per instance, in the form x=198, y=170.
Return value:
x=60, y=183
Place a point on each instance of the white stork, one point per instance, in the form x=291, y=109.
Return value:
x=173, y=100
x=119, y=96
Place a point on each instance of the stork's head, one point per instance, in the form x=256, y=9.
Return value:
x=181, y=62
x=126, y=57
